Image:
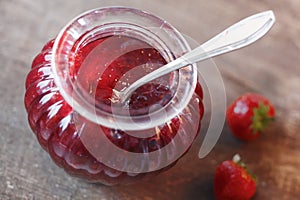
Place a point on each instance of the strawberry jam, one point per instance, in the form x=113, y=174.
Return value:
x=98, y=68
x=114, y=62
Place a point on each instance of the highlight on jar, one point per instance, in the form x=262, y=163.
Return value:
x=119, y=95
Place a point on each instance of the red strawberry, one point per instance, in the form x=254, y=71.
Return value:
x=59, y=128
x=233, y=181
x=249, y=115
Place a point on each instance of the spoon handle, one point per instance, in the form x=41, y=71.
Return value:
x=236, y=36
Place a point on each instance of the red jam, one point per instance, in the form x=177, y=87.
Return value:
x=100, y=65
x=58, y=127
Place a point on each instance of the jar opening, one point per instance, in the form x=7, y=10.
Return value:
x=121, y=36
x=109, y=58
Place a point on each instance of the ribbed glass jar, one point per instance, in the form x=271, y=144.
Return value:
x=73, y=110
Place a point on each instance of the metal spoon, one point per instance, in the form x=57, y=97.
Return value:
x=236, y=36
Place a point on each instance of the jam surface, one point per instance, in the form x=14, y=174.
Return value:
x=98, y=68
x=113, y=63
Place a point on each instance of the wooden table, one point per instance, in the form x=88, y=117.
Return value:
x=270, y=67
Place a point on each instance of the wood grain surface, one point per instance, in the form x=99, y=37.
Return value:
x=270, y=67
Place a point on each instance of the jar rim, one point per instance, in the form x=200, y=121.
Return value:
x=100, y=16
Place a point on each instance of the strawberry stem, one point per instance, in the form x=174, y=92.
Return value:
x=261, y=118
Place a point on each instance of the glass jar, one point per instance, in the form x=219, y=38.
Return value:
x=72, y=105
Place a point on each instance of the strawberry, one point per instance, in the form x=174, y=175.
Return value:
x=233, y=182
x=249, y=115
